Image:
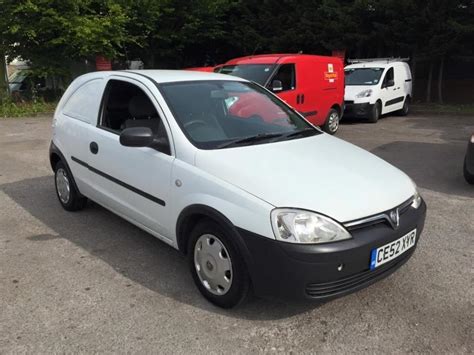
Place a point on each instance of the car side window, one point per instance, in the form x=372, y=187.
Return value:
x=126, y=105
x=287, y=75
x=84, y=103
x=388, y=76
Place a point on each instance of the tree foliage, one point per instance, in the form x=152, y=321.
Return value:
x=178, y=33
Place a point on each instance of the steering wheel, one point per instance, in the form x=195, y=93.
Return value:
x=195, y=122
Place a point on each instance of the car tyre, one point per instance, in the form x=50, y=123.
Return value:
x=332, y=122
x=406, y=107
x=375, y=114
x=467, y=175
x=66, y=190
x=217, y=266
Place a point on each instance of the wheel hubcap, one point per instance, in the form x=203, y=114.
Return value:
x=333, y=122
x=62, y=185
x=213, y=264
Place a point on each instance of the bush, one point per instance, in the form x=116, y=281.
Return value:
x=9, y=108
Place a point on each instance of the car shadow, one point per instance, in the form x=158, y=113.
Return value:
x=130, y=251
x=433, y=166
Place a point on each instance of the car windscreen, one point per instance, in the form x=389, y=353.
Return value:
x=258, y=73
x=363, y=76
x=219, y=114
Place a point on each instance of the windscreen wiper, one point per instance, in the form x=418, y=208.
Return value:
x=251, y=139
x=306, y=132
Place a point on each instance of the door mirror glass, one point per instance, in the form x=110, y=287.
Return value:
x=277, y=86
x=136, y=137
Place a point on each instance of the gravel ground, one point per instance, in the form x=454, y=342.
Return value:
x=92, y=282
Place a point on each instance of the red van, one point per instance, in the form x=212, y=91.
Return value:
x=312, y=84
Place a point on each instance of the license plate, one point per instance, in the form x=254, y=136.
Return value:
x=390, y=251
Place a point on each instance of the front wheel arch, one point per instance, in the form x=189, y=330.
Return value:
x=193, y=214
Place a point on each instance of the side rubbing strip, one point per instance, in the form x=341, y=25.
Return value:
x=394, y=101
x=310, y=113
x=119, y=182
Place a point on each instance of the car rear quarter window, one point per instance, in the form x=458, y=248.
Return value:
x=84, y=103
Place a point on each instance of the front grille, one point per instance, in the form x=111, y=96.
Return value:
x=348, y=102
x=327, y=289
x=379, y=218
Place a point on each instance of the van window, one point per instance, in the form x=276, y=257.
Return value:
x=363, y=76
x=253, y=72
x=126, y=105
x=84, y=102
x=388, y=76
x=286, y=74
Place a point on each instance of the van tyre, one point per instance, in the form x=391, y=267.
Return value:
x=332, y=122
x=467, y=175
x=217, y=266
x=406, y=107
x=66, y=190
x=375, y=114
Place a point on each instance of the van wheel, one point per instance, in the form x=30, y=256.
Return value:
x=406, y=108
x=467, y=175
x=375, y=114
x=217, y=266
x=332, y=122
x=68, y=196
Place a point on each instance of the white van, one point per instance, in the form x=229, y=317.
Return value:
x=169, y=152
x=377, y=87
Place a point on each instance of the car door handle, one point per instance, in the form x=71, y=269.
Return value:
x=298, y=99
x=94, y=148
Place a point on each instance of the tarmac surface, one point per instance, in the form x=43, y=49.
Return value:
x=92, y=282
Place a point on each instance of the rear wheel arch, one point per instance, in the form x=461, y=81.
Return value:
x=55, y=156
x=338, y=108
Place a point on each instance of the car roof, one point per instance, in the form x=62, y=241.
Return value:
x=374, y=64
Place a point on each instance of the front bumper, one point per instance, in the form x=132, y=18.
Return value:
x=360, y=110
x=299, y=272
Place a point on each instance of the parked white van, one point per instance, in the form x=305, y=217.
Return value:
x=376, y=87
x=256, y=205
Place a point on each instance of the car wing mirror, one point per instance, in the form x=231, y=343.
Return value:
x=136, y=137
x=277, y=86
x=161, y=144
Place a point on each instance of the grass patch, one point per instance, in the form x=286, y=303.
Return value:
x=25, y=109
x=437, y=108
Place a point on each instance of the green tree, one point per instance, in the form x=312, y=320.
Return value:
x=52, y=34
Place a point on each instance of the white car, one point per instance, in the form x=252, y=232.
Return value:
x=375, y=88
x=275, y=206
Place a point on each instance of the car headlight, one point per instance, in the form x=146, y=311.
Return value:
x=416, y=200
x=365, y=93
x=305, y=227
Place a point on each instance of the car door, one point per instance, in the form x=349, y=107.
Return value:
x=288, y=92
x=133, y=182
x=391, y=92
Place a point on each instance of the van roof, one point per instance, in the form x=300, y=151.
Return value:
x=374, y=64
x=275, y=58
x=164, y=76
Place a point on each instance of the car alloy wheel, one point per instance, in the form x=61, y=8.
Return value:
x=333, y=122
x=213, y=264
